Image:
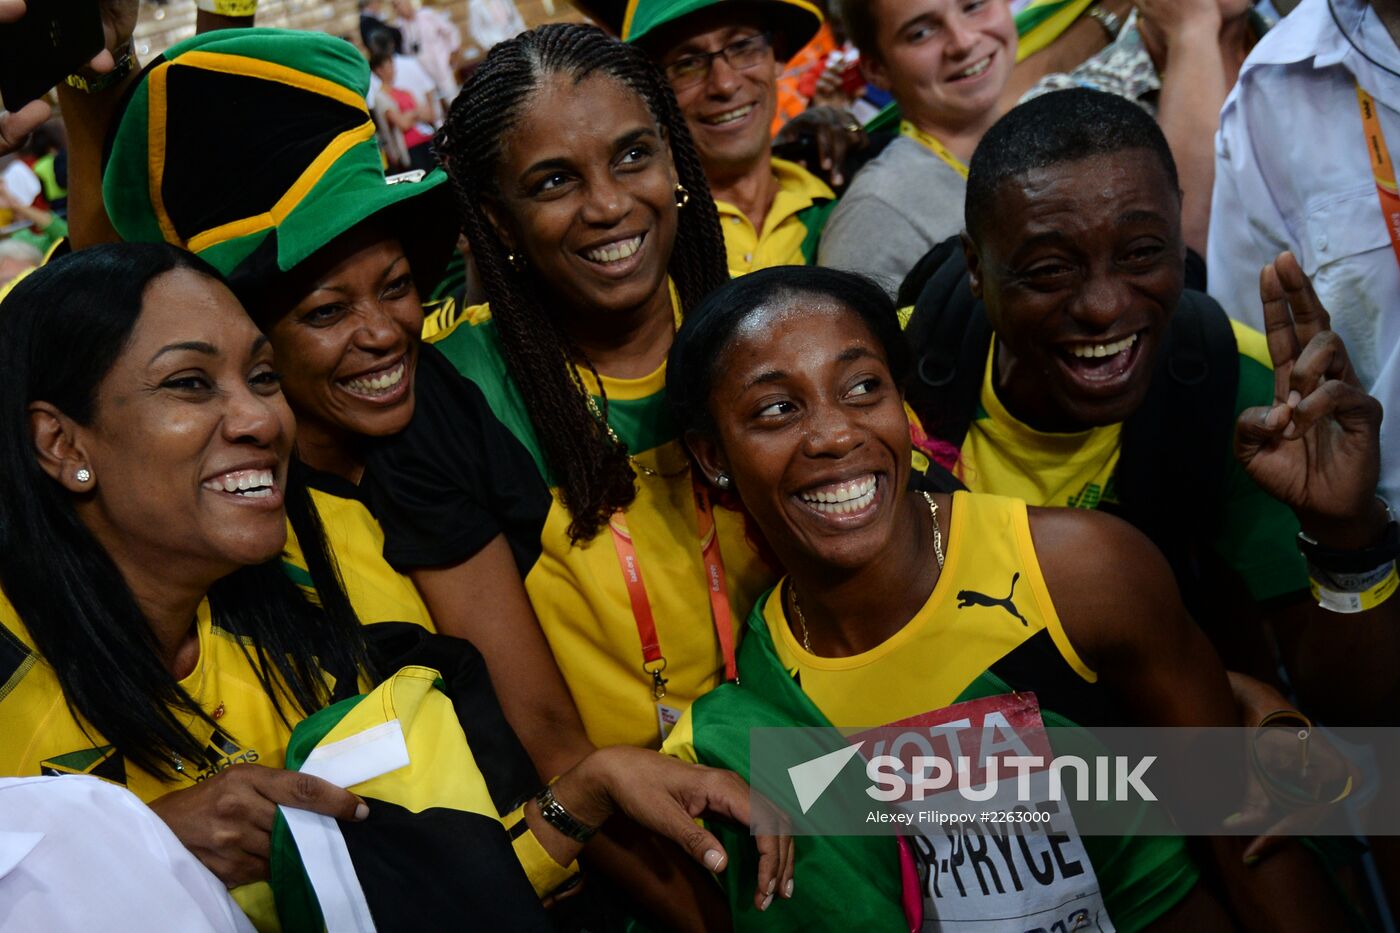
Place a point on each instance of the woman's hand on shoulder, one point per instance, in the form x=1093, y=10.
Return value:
x=226, y=820
x=667, y=796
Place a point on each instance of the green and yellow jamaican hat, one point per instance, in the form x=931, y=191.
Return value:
x=794, y=22
x=255, y=148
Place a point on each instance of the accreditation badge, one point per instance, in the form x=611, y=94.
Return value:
x=666, y=719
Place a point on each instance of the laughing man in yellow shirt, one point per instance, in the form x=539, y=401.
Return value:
x=722, y=58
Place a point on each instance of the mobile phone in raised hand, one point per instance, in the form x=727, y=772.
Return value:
x=53, y=39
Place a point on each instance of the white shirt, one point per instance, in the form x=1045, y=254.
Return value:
x=433, y=38
x=79, y=854
x=493, y=21
x=1292, y=172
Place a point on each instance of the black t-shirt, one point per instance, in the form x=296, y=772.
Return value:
x=455, y=478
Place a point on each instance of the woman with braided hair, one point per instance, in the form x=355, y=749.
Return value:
x=594, y=232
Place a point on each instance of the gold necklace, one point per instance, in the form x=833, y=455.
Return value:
x=612, y=435
x=937, y=553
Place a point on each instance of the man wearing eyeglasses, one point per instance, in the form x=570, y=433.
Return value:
x=722, y=59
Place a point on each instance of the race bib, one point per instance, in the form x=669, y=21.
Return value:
x=1014, y=864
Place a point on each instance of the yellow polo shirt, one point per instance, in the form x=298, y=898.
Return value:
x=780, y=241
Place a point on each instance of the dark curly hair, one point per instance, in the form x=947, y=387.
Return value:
x=592, y=470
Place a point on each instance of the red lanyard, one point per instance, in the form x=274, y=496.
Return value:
x=653, y=661
x=1381, y=168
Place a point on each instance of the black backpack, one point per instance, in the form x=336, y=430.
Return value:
x=1176, y=447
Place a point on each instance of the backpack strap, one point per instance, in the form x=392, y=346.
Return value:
x=1176, y=445
x=949, y=335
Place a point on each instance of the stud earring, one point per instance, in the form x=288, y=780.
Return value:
x=722, y=480
x=516, y=262
x=682, y=196
x=83, y=475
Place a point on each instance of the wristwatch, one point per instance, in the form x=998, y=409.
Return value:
x=555, y=815
x=1360, y=561
x=1111, y=23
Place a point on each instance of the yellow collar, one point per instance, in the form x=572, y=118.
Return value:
x=798, y=189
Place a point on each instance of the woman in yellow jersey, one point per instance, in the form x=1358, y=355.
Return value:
x=899, y=603
x=594, y=232
x=147, y=633
x=946, y=62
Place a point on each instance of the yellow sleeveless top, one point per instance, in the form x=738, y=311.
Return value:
x=989, y=602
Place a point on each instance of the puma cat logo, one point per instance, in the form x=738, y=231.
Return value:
x=968, y=598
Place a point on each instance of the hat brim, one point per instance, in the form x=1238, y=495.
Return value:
x=420, y=215
x=793, y=22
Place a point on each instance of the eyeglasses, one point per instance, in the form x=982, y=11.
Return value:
x=742, y=55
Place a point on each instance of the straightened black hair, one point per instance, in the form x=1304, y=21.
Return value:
x=699, y=350
x=593, y=472
x=1062, y=126
x=61, y=330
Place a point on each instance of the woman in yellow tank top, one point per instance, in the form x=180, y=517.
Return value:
x=787, y=384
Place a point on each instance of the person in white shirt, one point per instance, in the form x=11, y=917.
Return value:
x=1293, y=172
x=409, y=75
x=493, y=21
x=433, y=38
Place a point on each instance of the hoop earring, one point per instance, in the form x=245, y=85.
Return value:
x=682, y=196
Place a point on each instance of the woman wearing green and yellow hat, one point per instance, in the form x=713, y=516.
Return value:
x=280, y=186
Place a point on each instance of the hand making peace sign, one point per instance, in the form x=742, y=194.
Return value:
x=1317, y=449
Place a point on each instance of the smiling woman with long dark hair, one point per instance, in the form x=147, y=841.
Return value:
x=148, y=635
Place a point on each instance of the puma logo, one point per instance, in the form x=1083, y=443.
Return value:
x=968, y=598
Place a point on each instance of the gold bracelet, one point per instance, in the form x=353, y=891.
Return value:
x=126, y=63
x=1110, y=22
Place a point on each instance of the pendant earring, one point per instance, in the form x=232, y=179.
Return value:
x=682, y=196
x=722, y=480
x=83, y=475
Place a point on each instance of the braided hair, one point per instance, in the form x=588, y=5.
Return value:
x=592, y=469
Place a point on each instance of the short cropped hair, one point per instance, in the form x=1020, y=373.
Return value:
x=1063, y=126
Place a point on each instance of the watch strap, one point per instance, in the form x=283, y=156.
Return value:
x=555, y=815
x=1359, y=561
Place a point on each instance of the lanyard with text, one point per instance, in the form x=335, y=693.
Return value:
x=933, y=145
x=653, y=661
x=1381, y=168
